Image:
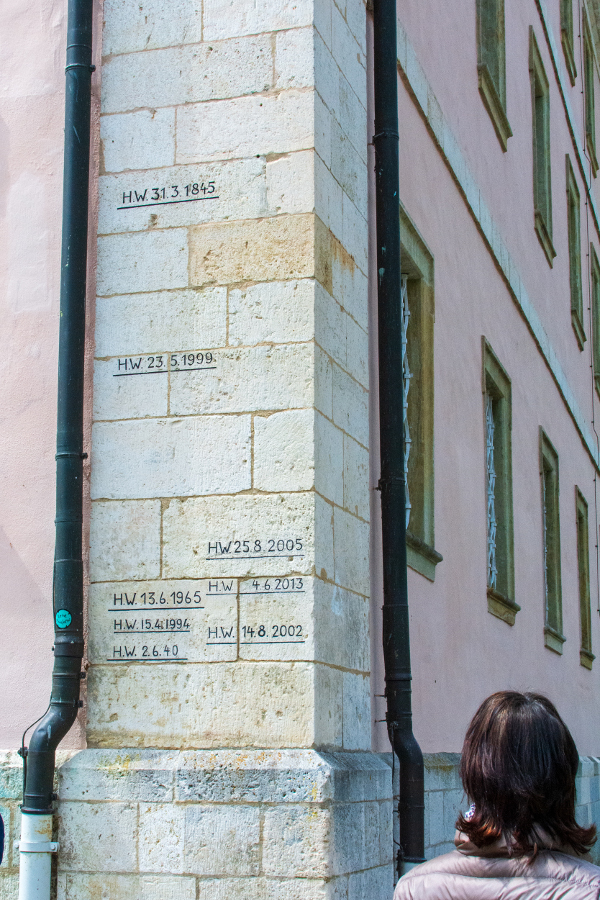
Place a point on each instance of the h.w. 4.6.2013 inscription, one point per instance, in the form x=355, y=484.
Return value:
x=168, y=194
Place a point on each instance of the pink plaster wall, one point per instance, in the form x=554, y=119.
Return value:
x=460, y=652
x=32, y=52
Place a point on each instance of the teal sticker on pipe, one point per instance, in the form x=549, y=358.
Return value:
x=63, y=618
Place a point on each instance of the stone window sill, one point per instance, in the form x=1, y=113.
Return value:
x=553, y=639
x=502, y=607
x=586, y=658
x=578, y=328
x=494, y=106
x=545, y=240
x=421, y=557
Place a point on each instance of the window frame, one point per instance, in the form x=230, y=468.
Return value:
x=588, y=65
x=551, y=568
x=595, y=301
x=586, y=657
x=416, y=261
x=542, y=161
x=574, y=246
x=497, y=384
x=491, y=53
x=567, y=37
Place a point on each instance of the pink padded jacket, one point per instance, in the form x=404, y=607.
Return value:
x=470, y=873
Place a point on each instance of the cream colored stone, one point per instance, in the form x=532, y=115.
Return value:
x=350, y=170
x=357, y=352
x=328, y=198
x=350, y=411
x=329, y=443
x=274, y=312
x=248, y=380
x=351, y=545
x=187, y=74
x=330, y=326
x=242, y=536
x=139, y=140
x=9, y=886
x=126, y=395
x=357, y=712
x=98, y=837
x=134, y=201
x=297, y=841
x=171, y=457
x=221, y=840
x=165, y=322
x=348, y=55
x=226, y=18
x=125, y=540
x=351, y=116
x=323, y=383
x=284, y=451
x=355, y=233
x=341, y=627
x=243, y=704
x=126, y=887
x=261, y=888
x=291, y=183
x=327, y=74
x=172, y=621
x=144, y=26
x=356, y=479
x=294, y=59
x=245, y=126
x=162, y=837
x=132, y=263
x=324, y=560
x=281, y=247
x=276, y=618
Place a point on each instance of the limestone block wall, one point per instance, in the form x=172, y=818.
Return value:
x=229, y=534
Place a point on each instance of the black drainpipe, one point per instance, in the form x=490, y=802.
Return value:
x=396, y=640
x=68, y=564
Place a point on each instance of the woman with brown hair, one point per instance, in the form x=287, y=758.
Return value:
x=519, y=839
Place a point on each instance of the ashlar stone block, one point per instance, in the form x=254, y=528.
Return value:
x=291, y=183
x=225, y=18
x=182, y=195
x=274, y=312
x=125, y=540
x=143, y=139
x=162, y=322
x=248, y=704
x=284, y=451
x=187, y=74
x=248, y=535
x=125, y=887
x=152, y=261
x=272, y=249
x=257, y=379
x=144, y=26
x=99, y=837
x=171, y=457
x=245, y=126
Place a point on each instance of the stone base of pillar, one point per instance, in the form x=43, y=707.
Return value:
x=177, y=825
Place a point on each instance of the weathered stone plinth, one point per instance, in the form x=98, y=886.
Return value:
x=162, y=825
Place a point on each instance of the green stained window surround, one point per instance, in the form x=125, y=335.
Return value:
x=418, y=297
x=589, y=95
x=499, y=500
x=491, y=65
x=553, y=620
x=586, y=657
x=567, y=37
x=574, y=240
x=542, y=184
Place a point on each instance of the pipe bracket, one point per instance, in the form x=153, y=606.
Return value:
x=37, y=847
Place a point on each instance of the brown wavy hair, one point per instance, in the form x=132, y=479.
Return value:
x=518, y=768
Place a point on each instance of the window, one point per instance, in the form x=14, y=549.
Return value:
x=595, y=279
x=500, y=558
x=586, y=657
x=542, y=189
x=590, y=108
x=553, y=636
x=574, y=233
x=491, y=66
x=566, y=34
x=417, y=353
